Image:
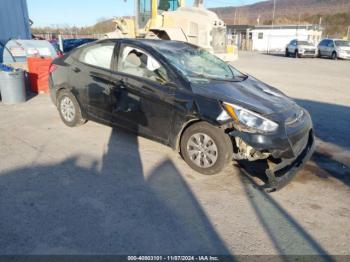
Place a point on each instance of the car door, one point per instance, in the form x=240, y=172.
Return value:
x=143, y=94
x=325, y=51
x=92, y=71
x=330, y=48
x=321, y=47
x=292, y=47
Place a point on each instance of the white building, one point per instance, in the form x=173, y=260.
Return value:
x=275, y=38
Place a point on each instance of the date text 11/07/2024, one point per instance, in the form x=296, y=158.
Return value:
x=173, y=258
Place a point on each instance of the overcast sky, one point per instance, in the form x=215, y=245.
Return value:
x=87, y=12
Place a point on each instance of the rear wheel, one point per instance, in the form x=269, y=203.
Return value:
x=206, y=149
x=334, y=56
x=69, y=109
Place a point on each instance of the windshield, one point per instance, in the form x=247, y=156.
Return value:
x=342, y=43
x=197, y=63
x=304, y=43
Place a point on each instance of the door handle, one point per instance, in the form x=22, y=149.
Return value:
x=76, y=69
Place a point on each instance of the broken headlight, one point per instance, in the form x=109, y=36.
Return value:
x=247, y=120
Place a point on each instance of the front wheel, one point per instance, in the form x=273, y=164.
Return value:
x=69, y=109
x=206, y=149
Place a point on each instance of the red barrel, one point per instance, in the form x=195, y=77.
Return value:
x=38, y=68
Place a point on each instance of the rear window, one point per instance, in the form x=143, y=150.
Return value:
x=99, y=55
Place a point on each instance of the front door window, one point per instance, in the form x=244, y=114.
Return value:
x=138, y=63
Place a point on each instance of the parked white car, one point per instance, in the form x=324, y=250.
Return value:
x=334, y=48
x=298, y=48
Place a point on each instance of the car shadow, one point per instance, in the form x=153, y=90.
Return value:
x=108, y=207
x=287, y=235
x=331, y=121
x=280, y=54
x=331, y=125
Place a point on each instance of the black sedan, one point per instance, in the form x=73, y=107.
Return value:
x=186, y=98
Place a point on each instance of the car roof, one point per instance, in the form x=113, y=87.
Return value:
x=153, y=43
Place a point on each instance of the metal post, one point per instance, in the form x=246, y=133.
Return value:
x=348, y=35
x=297, y=34
x=154, y=13
x=272, y=25
x=273, y=13
x=60, y=42
x=137, y=10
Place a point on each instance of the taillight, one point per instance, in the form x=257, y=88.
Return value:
x=52, y=68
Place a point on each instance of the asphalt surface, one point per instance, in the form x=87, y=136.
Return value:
x=95, y=190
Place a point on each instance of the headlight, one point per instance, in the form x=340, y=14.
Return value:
x=301, y=50
x=247, y=120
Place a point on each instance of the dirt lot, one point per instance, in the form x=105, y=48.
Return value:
x=94, y=190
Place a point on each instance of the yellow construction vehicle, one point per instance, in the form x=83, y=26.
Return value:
x=172, y=20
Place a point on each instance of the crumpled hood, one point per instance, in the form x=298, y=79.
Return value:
x=251, y=93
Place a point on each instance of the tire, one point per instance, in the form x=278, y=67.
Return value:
x=319, y=54
x=69, y=109
x=334, y=56
x=287, y=53
x=202, y=158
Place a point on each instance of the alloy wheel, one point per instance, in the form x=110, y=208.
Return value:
x=202, y=150
x=67, y=109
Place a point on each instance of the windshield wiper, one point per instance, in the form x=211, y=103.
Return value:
x=214, y=78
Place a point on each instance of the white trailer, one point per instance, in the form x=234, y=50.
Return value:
x=275, y=38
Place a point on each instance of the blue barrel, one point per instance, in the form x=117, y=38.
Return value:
x=12, y=86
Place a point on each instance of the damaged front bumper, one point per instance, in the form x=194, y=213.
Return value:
x=292, y=147
x=280, y=175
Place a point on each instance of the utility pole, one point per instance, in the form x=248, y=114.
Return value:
x=234, y=19
x=348, y=35
x=299, y=21
x=272, y=25
x=273, y=13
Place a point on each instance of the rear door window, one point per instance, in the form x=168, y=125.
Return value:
x=99, y=55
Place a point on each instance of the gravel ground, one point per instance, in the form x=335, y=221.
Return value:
x=98, y=190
